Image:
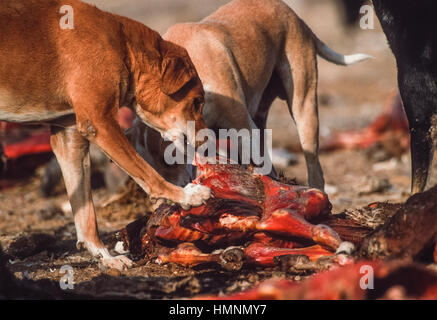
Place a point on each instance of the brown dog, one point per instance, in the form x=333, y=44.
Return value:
x=77, y=78
x=248, y=53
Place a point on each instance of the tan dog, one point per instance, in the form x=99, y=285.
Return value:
x=248, y=53
x=76, y=80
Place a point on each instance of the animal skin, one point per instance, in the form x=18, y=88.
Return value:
x=77, y=79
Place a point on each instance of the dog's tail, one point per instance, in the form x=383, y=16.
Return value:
x=330, y=55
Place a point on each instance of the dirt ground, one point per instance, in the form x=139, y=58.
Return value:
x=349, y=98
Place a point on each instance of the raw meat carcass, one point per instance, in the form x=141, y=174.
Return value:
x=390, y=129
x=22, y=150
x=364, y=280
x=264, y=218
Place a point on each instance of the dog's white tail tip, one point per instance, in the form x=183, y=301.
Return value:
x=355, y=58
x=345, y=60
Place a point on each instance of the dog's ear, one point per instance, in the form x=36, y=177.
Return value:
x=175, y=75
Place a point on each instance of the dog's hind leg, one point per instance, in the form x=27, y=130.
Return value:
x=298, y=72
x=72, y=153
x=273, y=90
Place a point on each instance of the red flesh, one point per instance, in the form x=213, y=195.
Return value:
x=265, y=255
x=391, y=281
x=250, y=208
x=187, y=254
x=392, y=124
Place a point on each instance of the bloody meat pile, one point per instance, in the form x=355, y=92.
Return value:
x=252, y=218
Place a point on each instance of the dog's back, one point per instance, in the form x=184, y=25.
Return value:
x=40, y=61
x=27, y=46
x=228, y=36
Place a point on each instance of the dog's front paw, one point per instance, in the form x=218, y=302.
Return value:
x=118, y=262
x=195, y=195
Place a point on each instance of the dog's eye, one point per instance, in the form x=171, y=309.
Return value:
x=198, y=103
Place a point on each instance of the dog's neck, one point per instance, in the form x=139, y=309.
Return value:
x=143, y=56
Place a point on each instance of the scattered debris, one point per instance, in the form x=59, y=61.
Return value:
x=374, y=214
